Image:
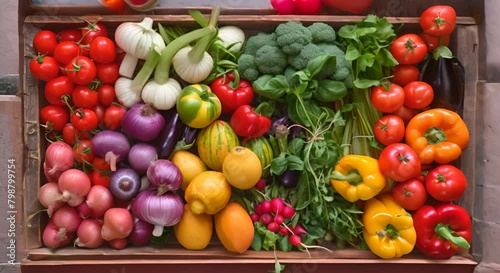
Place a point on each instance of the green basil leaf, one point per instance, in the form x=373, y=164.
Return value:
x=352, y=53
x=330, y=91
x=365, y=83
x=257, y=241
x=443, y=52
x=316, y=64
x=295, y=146
x=271, y=87
x=295, y=163
x=284, y=244
x=347, y=32
x=279, y=164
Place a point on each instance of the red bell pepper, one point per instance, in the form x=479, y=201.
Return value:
x=232, y=92
x=442, y=230
x=249, y=122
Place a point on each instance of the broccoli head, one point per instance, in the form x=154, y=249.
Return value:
x=270, y=60
x=308, y=52
x=322, y=33
x=247, y=67
x=259, y=40
x=292, y=36
x=342, y=67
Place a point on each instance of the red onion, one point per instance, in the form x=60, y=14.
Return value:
x=143, y=122
x=50, y=197
x=140, y=157
x=67, y=218
x=59, y=157
x=145, y=183
x=89, y=234
x=111, y=145
x=141, y=234
x=164, y=175
x=53, y=237
x=98, y=201
x=118, y=223
x=159, y=210
x=74, y=185
x=124, y=184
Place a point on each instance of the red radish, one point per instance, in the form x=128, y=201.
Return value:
x=89, y=234
x=53, y=237
x=273, y=227
x=283, y=231
x=58, y=158
x=118, y=243
x=261, y=184
x=67, y=218
x=99, y=200
x=50, y=176
x=50, y=197
x=308, y=7
x=299, y=229
x=74, y=185
x=266, y=206
x=258, y=209
x=255, y=217
x=283, y=7
x=295, y=240
x=279, y=219
x=288, y=212
x=277, y=205
x=266, y=218
x=118, y=224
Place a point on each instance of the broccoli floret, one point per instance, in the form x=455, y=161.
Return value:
x=289, y=71
x=348, y=82
x=247, y=67
x=308, y=52
x=259, y=40
x=292, y=36
x=342, y=67
x=270, y=60
x=322, y=33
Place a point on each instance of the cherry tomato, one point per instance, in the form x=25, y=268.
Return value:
x=71, y=134
x=108, y=73
x=418, y=95
x=446, y=183
x=113, y=117
x=100, y=164
x=106, y=94
x=307, y=7
x=409, y=49
x=99, y=112
x=84, y=97
x=399, y=162
x=433, y=42
x=405, y=73
x=44, y=42
x=56, y=89
x=389, y=129
x=44, y=68
x=84, y=120
x=83, y=151
x=81, y=70
x=99, y=178
x=283, y=7
x=387, y=99
x=102, y=50
x=54, y=117
x=72, y=34
x=410, y=194
x=117, y=6
x=66, y=51
x=438, y=20
x=405, y=113
x=92, y=30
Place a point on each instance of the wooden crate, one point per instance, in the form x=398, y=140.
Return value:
x=214, y=258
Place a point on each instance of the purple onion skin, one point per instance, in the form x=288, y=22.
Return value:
x=142, y=122
x=110, y=141
x=142, y=233
x=159, y=210
x=125, y=184
x=164, y=175
x=140, y=157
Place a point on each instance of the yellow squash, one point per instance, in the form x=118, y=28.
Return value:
x=194, y=232
x=208, y=192
x=242, y=168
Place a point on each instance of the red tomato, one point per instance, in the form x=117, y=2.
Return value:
x=99, y=178
x=117, y=6
x=106, y=94
x=83, y=151
x=410, y=194
x=113, y=117
x=405, y=113
x=418, y=95
x=108, y=73
x=53, y=117
x=433, y=42
x=66, y=51
x=44, y=68
x=307, y=7
x=93, y=29
x=352, y=6
x=389, y=129
x=100, y=164
x=72, y=34
x=409, y=49
x=71, y=135
x=405, y=73
x=399, y=162
x=283, y=7
x=438, y=20
x=102, y=50
x=84, y=120
x=81, y=70
x=99, y=112
x=446, y=183
x=44, y=42
x=56, y=89
x=84, y=97
x=387, y=100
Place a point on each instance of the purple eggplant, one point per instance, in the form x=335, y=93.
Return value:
x=189, y=135
x=169, y=135
x=289, y=179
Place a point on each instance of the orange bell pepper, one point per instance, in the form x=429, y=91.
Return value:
x=437, y=135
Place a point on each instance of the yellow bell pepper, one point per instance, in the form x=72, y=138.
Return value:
x=388, y=228
x=358, y=177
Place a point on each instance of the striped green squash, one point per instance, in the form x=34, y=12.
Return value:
x=263, y=149
x=214, y=142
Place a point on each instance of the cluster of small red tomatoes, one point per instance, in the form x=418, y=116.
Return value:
x=400, y=99
x=79, y=68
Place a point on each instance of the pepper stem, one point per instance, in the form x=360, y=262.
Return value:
x=444, y=231
x=390, y=231
x=353, y=177
x=435, y=135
